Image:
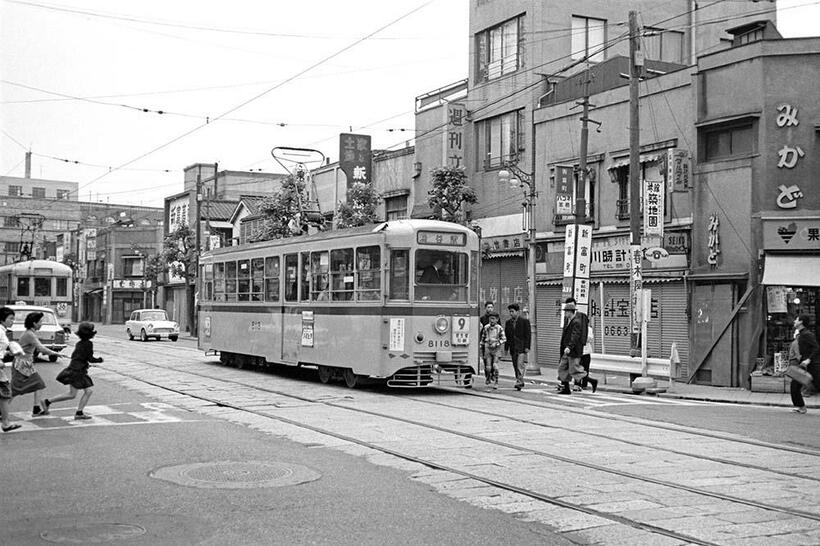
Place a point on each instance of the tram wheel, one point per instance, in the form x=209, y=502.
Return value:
x=351, y=379
x=325, y=374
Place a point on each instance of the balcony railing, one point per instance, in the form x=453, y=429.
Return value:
x=622, y=209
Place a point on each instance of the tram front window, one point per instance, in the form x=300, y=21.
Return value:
x=441, y=275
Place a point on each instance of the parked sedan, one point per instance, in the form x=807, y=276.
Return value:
x=151, y=323
x=51, y=334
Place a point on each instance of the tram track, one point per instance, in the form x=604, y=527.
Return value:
x=438, y=465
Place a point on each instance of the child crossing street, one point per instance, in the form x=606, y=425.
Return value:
x=76, y=374
x=492, y=342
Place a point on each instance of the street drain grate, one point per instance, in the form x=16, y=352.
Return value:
x=92, y=533
x=236, y=474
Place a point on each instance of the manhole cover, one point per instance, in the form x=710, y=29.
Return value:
x=92, y=533
x=236, y=475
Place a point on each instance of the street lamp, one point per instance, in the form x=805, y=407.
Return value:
x=517, y=178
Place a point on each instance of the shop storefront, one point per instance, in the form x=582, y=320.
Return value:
x=791, y=280
x=609, y=299
x=504, y=272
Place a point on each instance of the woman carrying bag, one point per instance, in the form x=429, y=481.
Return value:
x=24, y=378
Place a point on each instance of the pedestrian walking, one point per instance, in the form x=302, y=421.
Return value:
x=586, y=360
x=492, y=342
x=76, y=374
x=517, y=331
x=809, y=352
x=6, y=320
x=24, y=378
x=573, y=339
x=483, y=321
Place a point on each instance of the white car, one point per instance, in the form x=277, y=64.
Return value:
x=148, y=323
x=51, y=334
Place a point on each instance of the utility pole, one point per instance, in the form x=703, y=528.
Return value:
x=635, y=248
x=198, y=228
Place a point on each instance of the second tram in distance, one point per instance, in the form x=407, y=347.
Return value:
x=397, y=302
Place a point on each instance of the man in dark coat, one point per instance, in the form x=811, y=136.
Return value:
x=810, y=353
x=517, y=331
x=434, y=273
x=573, y=338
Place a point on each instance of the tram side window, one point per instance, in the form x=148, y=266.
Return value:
x=369, y=273
x=257, y=278
x=272, y=278
x=304, y=277
x=399, y=275
x=23, y=286
x=62, y=288
x=319, y=266
x=219, y=282
x=230, y=281
x=341, y=274
x=243, y=281
x=291, y=277
x=208, y=277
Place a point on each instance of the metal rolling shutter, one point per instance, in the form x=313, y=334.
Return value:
x=675, y=324
x=503, y=281
x=548, y=299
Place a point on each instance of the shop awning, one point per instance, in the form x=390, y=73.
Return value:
x=792, y=271
x=220, y=224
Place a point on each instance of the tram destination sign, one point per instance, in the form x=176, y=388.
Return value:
x=441, y=238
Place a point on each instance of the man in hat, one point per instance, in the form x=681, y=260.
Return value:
x=573, y=338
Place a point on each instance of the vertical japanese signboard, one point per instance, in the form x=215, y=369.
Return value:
x=577, y=255
x=564, y=179
x=568, y=288
x=454, y=137
x=355, y=159
x=654, y=193
x=677, y=170
x=635, y=286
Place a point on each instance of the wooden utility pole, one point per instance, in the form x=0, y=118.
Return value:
x=192, y=306
x=636, y=295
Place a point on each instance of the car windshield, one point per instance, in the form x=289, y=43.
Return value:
x=48, y=317
x=154, y=315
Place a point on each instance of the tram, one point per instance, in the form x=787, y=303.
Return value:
x=39, y=282
x=357, y=304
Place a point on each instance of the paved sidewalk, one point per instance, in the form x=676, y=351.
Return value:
x=620, y=383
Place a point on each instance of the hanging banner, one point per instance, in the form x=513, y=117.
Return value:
x=564, y=183
x=677, y=170
x=454, y=138
x=776, y=299
x=583, y=255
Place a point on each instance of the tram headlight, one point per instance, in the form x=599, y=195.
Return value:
x=442, y=324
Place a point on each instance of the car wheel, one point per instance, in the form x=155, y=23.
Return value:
x=130, y=335
x=173, y=338
x=52, y=358
x=143, y=336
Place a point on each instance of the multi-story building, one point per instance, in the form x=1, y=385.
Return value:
x=730, y=144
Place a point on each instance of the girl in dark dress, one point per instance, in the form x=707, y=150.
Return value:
x=76, y=375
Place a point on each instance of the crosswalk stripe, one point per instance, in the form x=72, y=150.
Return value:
x=103, y=415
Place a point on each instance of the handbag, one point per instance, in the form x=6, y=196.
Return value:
x=799, y=374
x=24, y=364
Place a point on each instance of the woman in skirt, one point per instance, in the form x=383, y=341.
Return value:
x=24, y=378
x=76, y=374
x=6, y=320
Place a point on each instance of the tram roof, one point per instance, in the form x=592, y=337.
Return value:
x=395, y=227
x=29, y=266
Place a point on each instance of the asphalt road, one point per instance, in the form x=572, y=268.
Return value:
x=95, y=482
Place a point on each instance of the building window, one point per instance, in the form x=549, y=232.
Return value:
x=589, y=193
x=588, y=38
x=499, y=50
x=63, y=194
x=663, y=45
x=749, y=37
x=11, y=246
x=15, y=191
x=651, y=169
x=11, y=221
x=395, y=208
x=133, y=266
x=503, y=139
x=38, y=193
x=725, y=142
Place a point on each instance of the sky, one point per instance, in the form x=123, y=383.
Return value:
x=121, y=96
